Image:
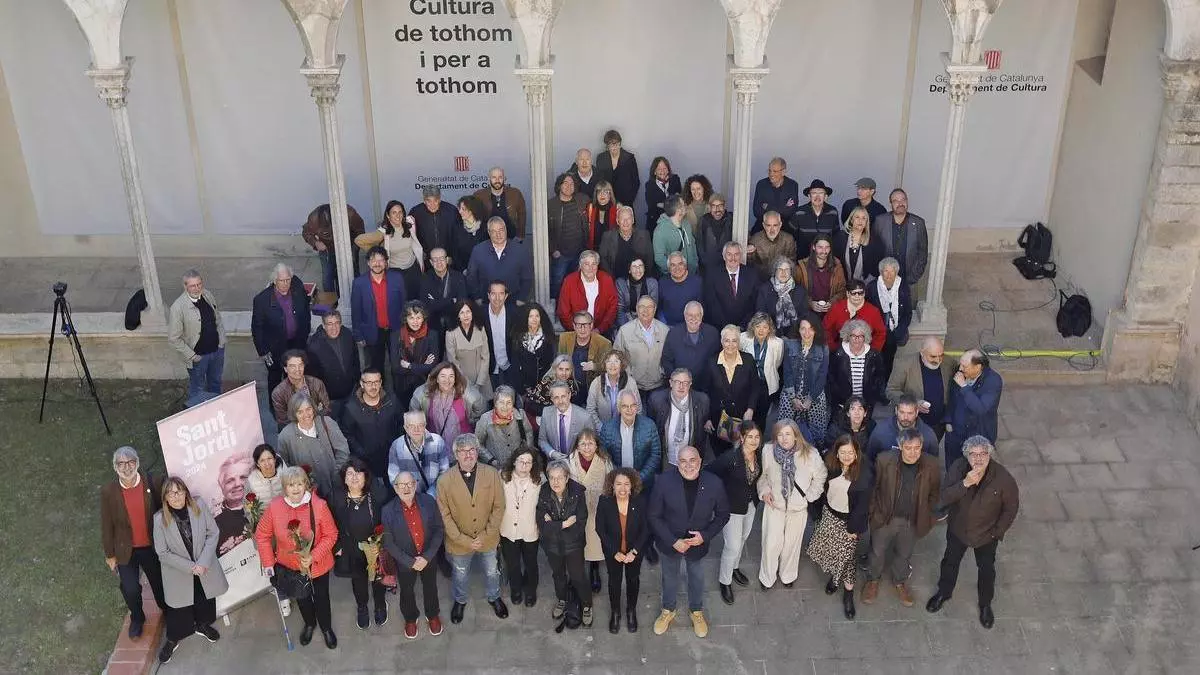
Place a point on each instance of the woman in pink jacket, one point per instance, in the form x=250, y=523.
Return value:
x=300, y=510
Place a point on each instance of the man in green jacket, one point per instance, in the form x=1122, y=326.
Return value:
x=671, y=235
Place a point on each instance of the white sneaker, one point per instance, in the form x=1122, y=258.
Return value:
x=285, y=607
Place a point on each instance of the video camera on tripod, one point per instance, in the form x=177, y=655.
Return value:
x=63, y=308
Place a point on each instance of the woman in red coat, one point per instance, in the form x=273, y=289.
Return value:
x=298, y=508
x=855, y=306
x=573, y=296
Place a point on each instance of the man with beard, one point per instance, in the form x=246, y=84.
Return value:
x=815, y=218
x=371, y=421
x=822, y=276
x=864, y=198
x=716, y=230
x=904, y=238
x=885, y=434
x=231, y=519
x=769, y=245
x=504, y=201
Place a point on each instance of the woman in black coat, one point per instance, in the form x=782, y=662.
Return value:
x=859, y=252
x=663, y=183
x=562, y=526
x=784, y=300
x=854, y=421
x=623, y=542
x=843, y=509
x=414, y=350
x=471, y=231
x=622, y=174
x=357, y=506
x=855, y=336
x=741, y=397
x=739, y=469
x=532, y=346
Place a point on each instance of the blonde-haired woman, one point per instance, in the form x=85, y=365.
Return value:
x=793, y=476
x=853, y=245
x=590, y=464
x=185, y=539
x=760, y=342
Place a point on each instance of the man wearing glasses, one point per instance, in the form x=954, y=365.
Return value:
x=983, y=499
x=127, y=506
x=585, y=348
x=925, y=377
x=441, y=289
x=371, y=421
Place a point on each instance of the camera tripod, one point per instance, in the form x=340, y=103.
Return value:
x=68, y=328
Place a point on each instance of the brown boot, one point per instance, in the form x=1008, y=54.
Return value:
x=870, y=592
x=906, y=598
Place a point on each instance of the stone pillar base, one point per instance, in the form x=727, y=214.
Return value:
x=1140, y=352
x=931, y=320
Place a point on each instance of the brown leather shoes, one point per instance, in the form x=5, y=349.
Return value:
x=906, y=598
x=870, y=592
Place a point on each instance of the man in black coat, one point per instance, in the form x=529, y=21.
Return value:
x=280, y=320
x=333, y=359
x=371, y=421
x=624, y=176
x=816, y=217
x=436, y=224
x=692, y=345
x=441, y=288
x=687, y=510
x=681, y=405
x=776, y=193
x=866, y=199
x=730, y=291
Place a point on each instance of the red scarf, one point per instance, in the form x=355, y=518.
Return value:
x=408, y=337
x=497, y=418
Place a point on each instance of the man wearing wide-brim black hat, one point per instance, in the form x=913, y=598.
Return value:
x=815, y=217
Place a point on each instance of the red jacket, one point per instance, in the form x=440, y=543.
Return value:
x=839, y=314
x=572, y=298
x=275, y=544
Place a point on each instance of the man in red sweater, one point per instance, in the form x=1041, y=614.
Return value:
x=855, y=306
x=588, y=290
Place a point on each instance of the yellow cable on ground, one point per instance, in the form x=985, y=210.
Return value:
x=1055, y=353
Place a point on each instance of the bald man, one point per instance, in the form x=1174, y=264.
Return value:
x=926, y=377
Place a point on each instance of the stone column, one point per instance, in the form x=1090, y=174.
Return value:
x=1142, y=338
x=962, y=80
x=536, y=83
x=325, y=88
x=746, y=82
x=111, y=85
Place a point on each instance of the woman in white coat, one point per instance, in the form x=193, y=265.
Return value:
x=185, y=538
x=590, y=465
x=793, y=476
x=759, y=340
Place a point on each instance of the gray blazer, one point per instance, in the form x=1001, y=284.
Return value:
x=916, y=256
x=177, y=563
x=548, y=431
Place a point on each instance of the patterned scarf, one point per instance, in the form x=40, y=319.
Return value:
x=787, y=463
x=785, y=310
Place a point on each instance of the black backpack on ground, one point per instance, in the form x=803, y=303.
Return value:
x=1037, y=241
x=1074, y=315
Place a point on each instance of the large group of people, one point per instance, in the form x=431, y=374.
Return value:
x=684, y=383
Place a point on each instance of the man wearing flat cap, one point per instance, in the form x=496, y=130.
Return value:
x=865, y=199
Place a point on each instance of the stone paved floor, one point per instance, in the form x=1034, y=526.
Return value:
x=1097, y=576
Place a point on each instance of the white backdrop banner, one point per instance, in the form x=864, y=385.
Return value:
x=209, y=446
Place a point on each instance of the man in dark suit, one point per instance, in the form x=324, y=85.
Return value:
x=682, y=416
x=497, y=313
x=373, y=323
x=776, y=193
x=413, y=533
x=974, y=403
x=500, y=258
x=441, y=288
x=127, y=507
x=436, y=223
x=692, y=345
x=729, y=292
x=280, y=320
x=904, y=237
x=687, y=510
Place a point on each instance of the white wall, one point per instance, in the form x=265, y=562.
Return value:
x=1106, y=154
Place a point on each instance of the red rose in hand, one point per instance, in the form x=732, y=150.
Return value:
x=378, y=530
x=251, y=497
x=294, y=524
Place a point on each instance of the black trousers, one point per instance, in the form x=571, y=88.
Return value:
x=632, y=572
x=142, y=559
x=359, y=583
x=315, y=608
x=521, y=565
x=985, y=561
x=183, y=621
x=377, y=353
x=406, y=579
x=568, y=571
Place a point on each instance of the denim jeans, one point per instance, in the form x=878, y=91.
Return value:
x=670, y=565
x=204, y=377
x=461, y=565
x=560, y=267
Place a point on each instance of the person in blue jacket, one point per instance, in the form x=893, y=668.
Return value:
x=379, y=282
x=974, y=403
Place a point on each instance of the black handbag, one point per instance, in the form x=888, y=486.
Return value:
x=289, y=583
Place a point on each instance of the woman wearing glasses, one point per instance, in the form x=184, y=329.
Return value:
x=855, y=369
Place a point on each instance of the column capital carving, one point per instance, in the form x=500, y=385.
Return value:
x=536, y=83
x=750, y=24
x=747, y=81
x=535, y=21
x=962, y=80
x=112, y=83
x=318, y=22
x=324, y=82
x=968, y=22
x=1181, y=80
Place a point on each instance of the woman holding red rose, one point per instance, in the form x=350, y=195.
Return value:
x=301, y=511
x=357, y=504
